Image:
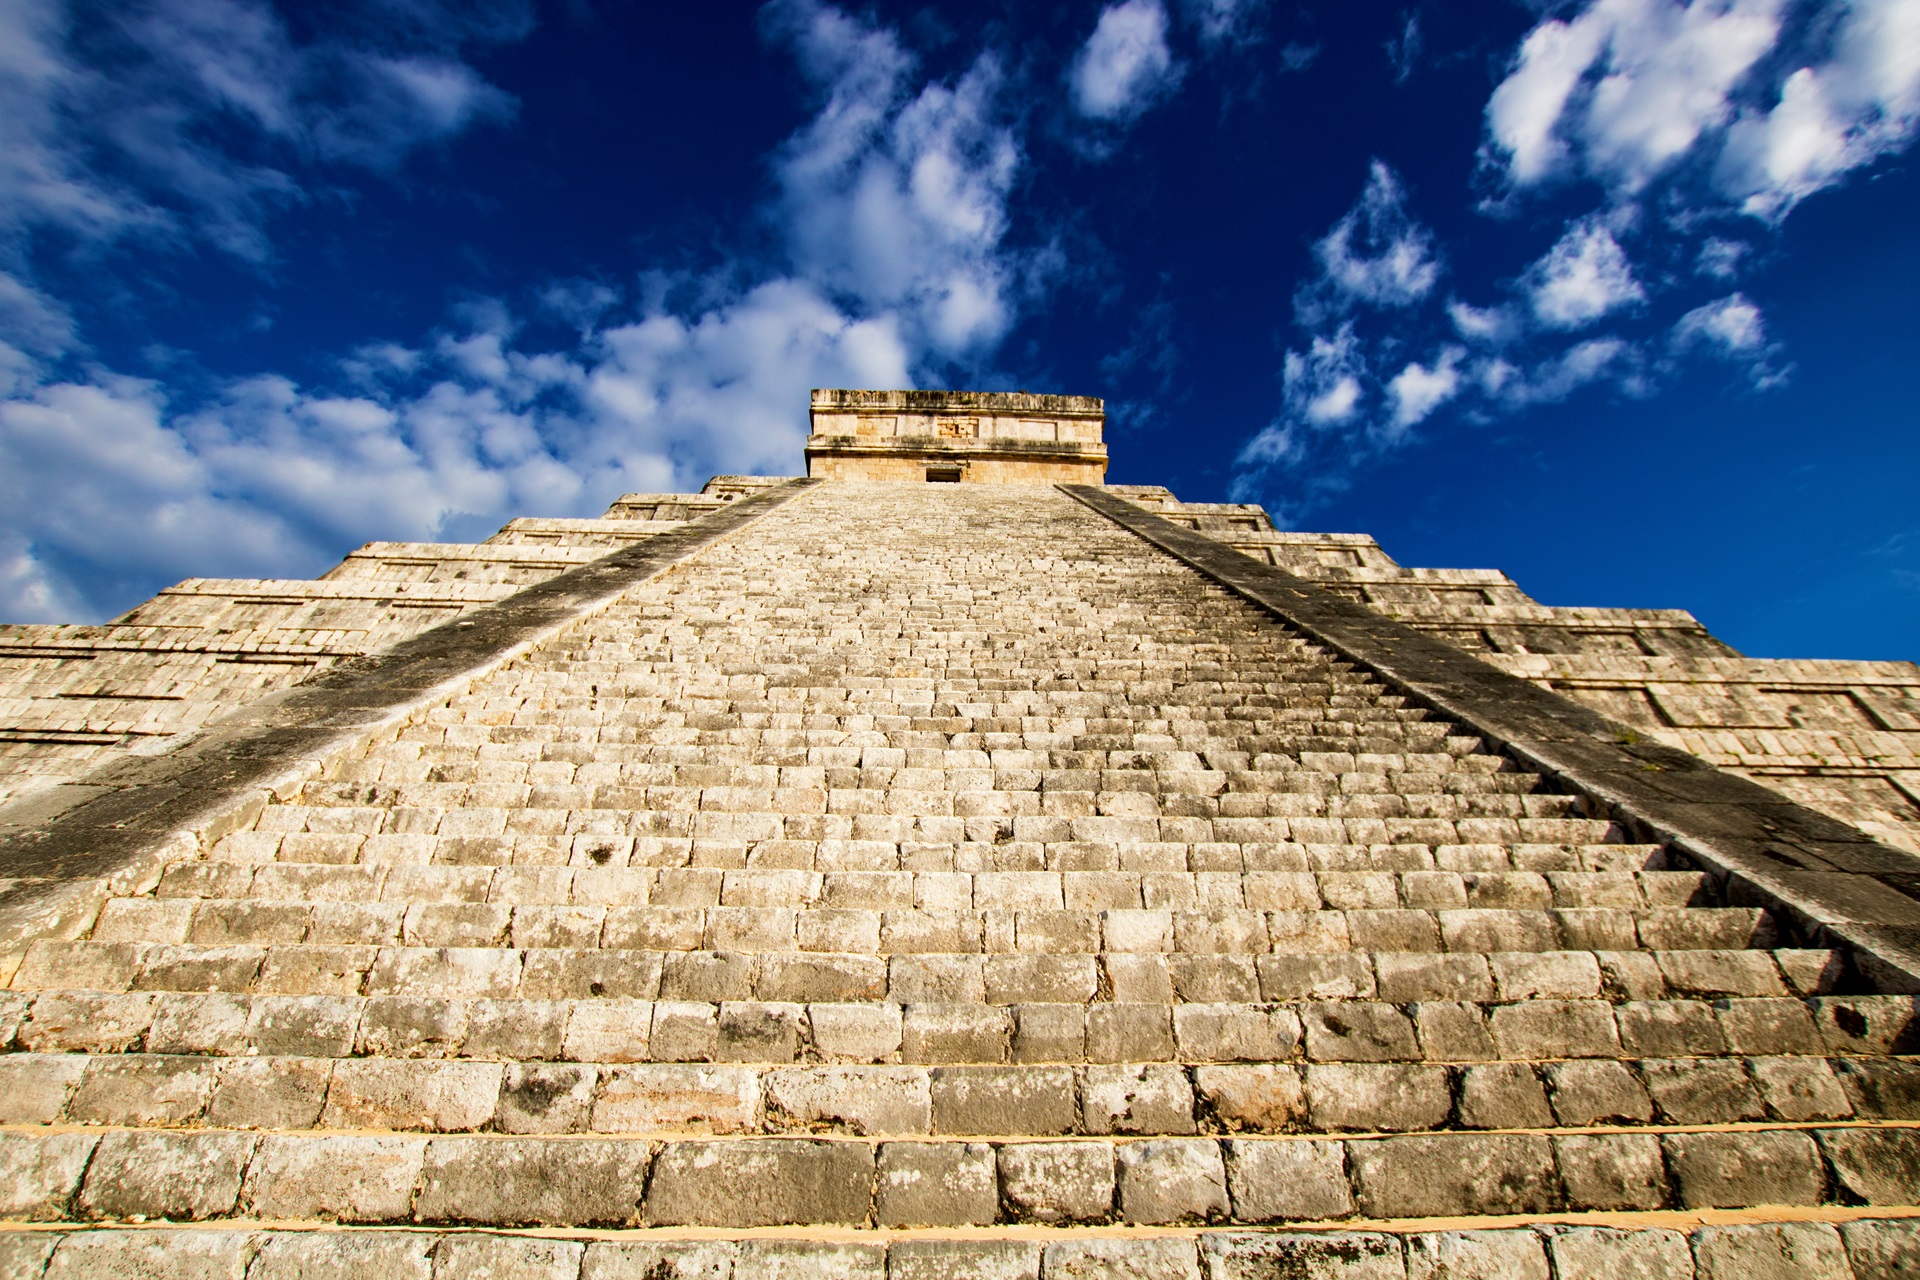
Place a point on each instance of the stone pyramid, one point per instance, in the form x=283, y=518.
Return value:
x=947, y=865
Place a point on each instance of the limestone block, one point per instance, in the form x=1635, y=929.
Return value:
x=1172, y=1180
x=1009, y=1100
x=343, y=1255
x=344, y=1178
x=1057, y=1181
x=769, y=1182
x=963, y=1260
x=1476, y=1255
x=810, y=1260
x=34, y=1087
x=1292, y=1181
x=522, y=1257
x=936, y=1184
x=1603, y=1253
x=542, y=1097
x=1342, y=1256
x=1375, y=1097
x=1718, y=1170
x=1880, y=1166
x=1770, y=1251
x=641, y=1098
x=1137, y=1098
x=511, y=1181
x=153, y=1255
x=1888, y=1248
x=270, y=1093
x=1612, y=1171
x=441, y=1097
x=677, y=1260
x=40, y=1174
x=1453, y=1175
x=1586, y=1093
x=165, y=1175
x=1125, y=1259
x=1264, y=1098
x=862, y=1100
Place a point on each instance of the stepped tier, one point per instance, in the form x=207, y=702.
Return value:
x=942, y=881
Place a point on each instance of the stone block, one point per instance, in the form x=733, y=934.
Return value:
x=855, y=1032
x=936, y=1184
x=754, y=1031
x=1358, y=1031
x=760, y=1183
x=1410, y=976
x=182, y=1176
x=1769, y=1027
x=1130, y=1033
x=1234, y=1033
x=1136, y=1098
x=862, y=1100
x=546, y=1097
x=153, y=1255
x=938, y=1033
x=1888, y=1249
x=1172, y=1180
x=607, y=1030
x=1331, y=1256
x=440, y=1097
x=1503, y=1095
x=1612, y=1171
x=270, y=1093
x=1264, y=1098
x=1289, y=1181
x=1702, y=1090
x=34, y=1087
x=1453, y=1175
x=1009, y=1100
x=643, y=1098
x=344, y=1255
x=1121, y=1259
x=1452, y=1031
x=1049, y=1033
x=809, y=1260
x=673, y=1260
x=1669, y=1029
x=200, y=1022
x=1554, y=1029
x=39, y=1174
x=1057, y=1181
x=1738, y=1170
x=683, y=1031
x=341, y=1178
x=1770, y=1251
x=963, y=1260
x=1603, y=1253
x=1879, y=1166
x=304, y=1026
x=1476, y=1255
x=1586, y=1093
x=1545, y=975
x=472, y=1256
x=532, y=1181
x=86, y=1022
x=1374, y=1097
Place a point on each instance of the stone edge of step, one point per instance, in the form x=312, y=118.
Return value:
x=65, y=850
x=1828, y=878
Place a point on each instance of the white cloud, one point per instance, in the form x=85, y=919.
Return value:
x=1628, y=86
x=1830, y=119
x=1376, y=253
x=1418, y=390
x=1720, y=258
x=1555, y=379
x=1125, y=64
x=1583, y=277
x=197, y=71
x=1404, y=49
x=1322, y=383
x=893, y=204
x=1493, y=326
x=1628, y=90
x=1734, y=329
x=1224, y=22
x=898, y=198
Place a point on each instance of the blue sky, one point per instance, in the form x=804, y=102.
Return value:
x=1620, y=296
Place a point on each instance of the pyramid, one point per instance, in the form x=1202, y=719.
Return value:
x=948, y=865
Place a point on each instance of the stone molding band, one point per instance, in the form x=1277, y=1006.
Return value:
x=1827, y=879
x=64, y=850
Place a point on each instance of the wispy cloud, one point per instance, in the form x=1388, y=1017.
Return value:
x=1376, y=254
x=1126, y=65
x=1584, y=277
x=891, y=205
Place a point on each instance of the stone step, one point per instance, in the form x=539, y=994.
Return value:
x=614, y=1027
x=430, y=1094
x=1817, y=1244
x=207, y=894
x=132, y=1176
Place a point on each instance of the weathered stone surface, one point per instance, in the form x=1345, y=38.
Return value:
x=1883, y=1248
x=39, y=1176
x=863, y=1100
x=1770, y=1251
x=963, y=1260
x=935, y=1184
x=678, y=1260
x=345, y=1178
x=1057, y=1181
x=153, y=1255
x=1004, y=1100
x=1603, y=1253
x=165, y=1175
x=763, y=1183
x=512, y=1181
x=1718, y=1170
x=1476, y=1255
x=1292, y=1181
x=1131, y=1259
x=1879, y=1166
x=1354, y=1256
x=522, y=1257
x=1172, y=1180
x=1453, y=1176
x=343, y=1255
x=1612, y=1170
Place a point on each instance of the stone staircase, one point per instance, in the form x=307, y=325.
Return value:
x=938, y=881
